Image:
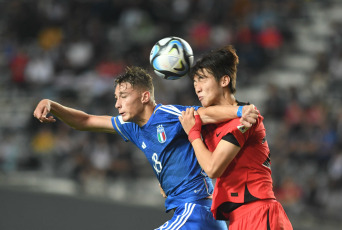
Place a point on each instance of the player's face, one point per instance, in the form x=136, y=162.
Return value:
x=128, y=102
x=207, y=88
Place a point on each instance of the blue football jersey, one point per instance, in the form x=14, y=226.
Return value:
x=170, y=154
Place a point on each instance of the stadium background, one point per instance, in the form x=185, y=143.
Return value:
x=52, y=177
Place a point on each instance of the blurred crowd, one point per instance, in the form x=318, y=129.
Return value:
x=72, y=50
x=307, y=133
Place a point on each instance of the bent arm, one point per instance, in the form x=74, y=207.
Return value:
x=217, y=113
x=215, y=163
x=76, y=119
x=221, y=113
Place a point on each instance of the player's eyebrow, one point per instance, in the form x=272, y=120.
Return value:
x=201, y=75
x=120, y=94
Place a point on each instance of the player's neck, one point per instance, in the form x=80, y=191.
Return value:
x=145, y=115
x=228, y=99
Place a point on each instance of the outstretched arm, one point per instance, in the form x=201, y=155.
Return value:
x=76, y=119
x=221, y=113
x=213, y=163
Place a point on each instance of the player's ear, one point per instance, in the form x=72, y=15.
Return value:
x=145, y=97
x=225, y=81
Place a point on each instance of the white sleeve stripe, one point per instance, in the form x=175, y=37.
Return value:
x=172, y=112
x=171, y=107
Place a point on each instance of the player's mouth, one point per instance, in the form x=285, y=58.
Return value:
x=200, y=98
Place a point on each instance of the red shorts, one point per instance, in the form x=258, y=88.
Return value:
x=262, y=214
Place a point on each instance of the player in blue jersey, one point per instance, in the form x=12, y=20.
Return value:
x=156, y=130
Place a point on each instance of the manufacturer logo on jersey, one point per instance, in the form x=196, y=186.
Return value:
x=242, y=128
x=263, y=140
x=161, y=134
x=197, y=190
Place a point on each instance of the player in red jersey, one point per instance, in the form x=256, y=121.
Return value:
x=237, y=156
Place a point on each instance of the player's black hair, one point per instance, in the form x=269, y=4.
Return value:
x=219, y=63
x=138, y=78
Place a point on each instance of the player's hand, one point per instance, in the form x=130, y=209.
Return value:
x=192, y=124
x=188, y=119
x=249, y=115
x=162, y=191
x=42, y=110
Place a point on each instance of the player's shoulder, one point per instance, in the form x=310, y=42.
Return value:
x=168, y=109
x=120, y=125
x=172, y=109
x=230, y=123
x=118, y=120
x=225, y=127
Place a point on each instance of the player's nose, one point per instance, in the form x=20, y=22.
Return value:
x=198, y=88
x=117, y=104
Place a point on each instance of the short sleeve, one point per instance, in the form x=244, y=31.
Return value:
x=122, y=127
x=230, y=138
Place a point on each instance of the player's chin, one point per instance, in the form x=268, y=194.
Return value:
x=204, y=103
x=124, y=117
x=128, y=118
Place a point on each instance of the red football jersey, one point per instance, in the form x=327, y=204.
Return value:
x=248, y=176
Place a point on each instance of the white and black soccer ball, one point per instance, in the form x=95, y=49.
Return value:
x=171, y=58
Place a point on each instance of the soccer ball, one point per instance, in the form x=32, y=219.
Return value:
x=171, y=58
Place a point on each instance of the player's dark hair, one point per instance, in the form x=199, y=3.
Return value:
x=219, y=63
x=138, y=78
